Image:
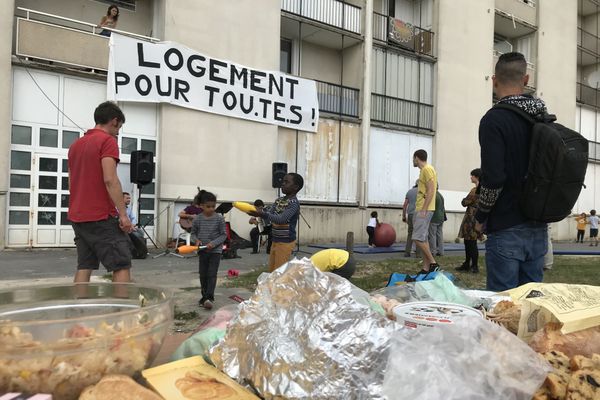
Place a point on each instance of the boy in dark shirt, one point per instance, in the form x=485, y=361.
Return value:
x=283, y=216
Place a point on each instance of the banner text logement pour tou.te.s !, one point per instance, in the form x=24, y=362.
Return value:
x=168, y=72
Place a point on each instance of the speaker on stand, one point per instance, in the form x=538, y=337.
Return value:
x=278, y=171
x=141, y=173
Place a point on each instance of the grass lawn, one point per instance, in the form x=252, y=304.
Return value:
x=374, y=275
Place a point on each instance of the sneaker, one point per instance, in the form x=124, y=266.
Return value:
x=434, y=267
x=201, y=302
x=475, y=270
x=207, y=304
x=463, y=267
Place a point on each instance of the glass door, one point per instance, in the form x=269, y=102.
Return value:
x=50, y=195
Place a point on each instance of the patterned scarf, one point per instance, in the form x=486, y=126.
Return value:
x=531, y=105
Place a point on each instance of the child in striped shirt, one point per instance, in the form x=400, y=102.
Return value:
x=208, y=229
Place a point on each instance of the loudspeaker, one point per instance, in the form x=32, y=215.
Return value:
x=142, y=167
x=278, y=172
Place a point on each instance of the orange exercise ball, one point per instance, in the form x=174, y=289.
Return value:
x=385, y=235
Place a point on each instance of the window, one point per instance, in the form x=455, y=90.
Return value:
x=20, y=135
x=68, y=137
x=285, y=56
x=48, y=137
x=128, y=145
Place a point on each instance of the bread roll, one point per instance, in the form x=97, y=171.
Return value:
x=585, y=342
x=118, y=387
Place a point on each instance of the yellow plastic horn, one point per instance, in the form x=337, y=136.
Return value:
x=243, y=206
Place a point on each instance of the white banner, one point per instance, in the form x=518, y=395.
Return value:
x=170, y=73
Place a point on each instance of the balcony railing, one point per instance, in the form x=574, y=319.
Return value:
x=588, y=95
x=337, y=99
x=399, y=33
x=588, y=41
x=330, y=12
x=63, y=40
x=594, y=151
x=397, y=111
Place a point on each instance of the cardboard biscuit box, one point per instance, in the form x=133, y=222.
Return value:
x=192, y=378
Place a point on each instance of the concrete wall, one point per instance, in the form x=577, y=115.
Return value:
x=6, y=21
x=353, y=66
x=464, y=87
x=138, y=21
x=322, y=63
x=559, y=94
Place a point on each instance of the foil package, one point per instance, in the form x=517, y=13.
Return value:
x=305, y=334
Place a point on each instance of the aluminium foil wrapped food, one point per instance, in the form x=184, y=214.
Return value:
x=305, y=334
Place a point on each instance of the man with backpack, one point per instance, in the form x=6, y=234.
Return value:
x=533, y=171
x=515, y=246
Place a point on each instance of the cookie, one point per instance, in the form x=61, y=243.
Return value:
x=557, y=383
x=584, y=385
x=542, y=394
x=559, y=361
x=580, y=362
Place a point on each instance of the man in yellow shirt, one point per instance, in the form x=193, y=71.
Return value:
x=338, y=261
x=427, y=187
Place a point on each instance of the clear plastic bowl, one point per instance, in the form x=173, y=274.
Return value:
x=60, y=339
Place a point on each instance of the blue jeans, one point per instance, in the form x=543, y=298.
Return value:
x=515, y=256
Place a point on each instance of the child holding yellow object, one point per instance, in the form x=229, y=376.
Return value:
x=283, y=216
x=338, y=261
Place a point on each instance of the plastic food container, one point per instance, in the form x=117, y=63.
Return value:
x=431, y=314
x=60, y=339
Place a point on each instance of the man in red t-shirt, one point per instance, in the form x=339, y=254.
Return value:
x=96, y=207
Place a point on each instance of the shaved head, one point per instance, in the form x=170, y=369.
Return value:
x=511, y=68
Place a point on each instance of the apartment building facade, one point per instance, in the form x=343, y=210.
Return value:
x=391, y=76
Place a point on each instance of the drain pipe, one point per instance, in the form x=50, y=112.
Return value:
x=366, y=104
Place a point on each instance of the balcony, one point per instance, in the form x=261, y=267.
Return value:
x=589, y=48
x=513, y=26
x=403, y=112
x=61, y=40
x=530, y=70
x=588, y=95
x=396, y=32
x=337, y=99
x=524, y=10
x=334, y=13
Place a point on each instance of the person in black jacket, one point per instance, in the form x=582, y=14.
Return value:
x=515, y=247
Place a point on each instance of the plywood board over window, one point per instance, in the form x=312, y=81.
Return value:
x=327, y=159
x=391, y=172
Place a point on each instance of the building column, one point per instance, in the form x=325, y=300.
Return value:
x=366, y=105
x=557, y=58
x=7, y=11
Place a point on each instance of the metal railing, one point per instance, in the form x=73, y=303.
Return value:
x=79, y=25
x=588, y=41
x=594, y=151
x=397, y=111
x=330, y=12
x=394, y=31
x=588, y=95
x=338, y=99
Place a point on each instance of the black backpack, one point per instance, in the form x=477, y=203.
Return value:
x=558, y=158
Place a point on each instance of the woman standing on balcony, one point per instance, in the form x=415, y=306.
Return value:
x=109, y=20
